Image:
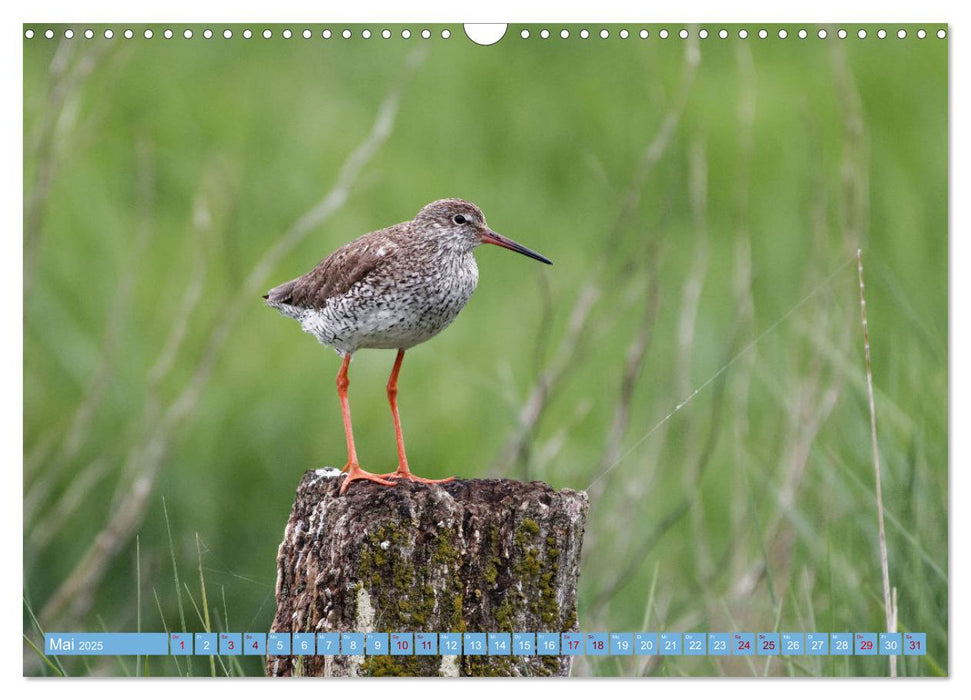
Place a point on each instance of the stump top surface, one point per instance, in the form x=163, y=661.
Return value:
x=324, y=484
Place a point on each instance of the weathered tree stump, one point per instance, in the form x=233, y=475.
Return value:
x=481, y=555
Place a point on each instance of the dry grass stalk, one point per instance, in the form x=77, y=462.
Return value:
x=633, y=363
x=695, y=446
x=744, y=301
x=662, y=139
x=517, y=445
x=889, y=607
x=74, y=596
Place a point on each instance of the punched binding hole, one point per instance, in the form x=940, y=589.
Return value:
x=485, y=34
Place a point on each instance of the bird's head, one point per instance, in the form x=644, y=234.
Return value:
x=461, y=222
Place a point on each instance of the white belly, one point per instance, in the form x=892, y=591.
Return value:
x=411, y=313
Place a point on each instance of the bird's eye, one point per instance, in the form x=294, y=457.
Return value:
x=459, y=219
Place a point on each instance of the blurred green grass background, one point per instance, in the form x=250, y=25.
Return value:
x=702, y=204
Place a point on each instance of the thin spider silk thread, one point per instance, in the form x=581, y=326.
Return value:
x=723, y=369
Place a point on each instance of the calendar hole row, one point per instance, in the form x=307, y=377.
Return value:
x=544, y=33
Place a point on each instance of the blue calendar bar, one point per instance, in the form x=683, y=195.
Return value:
x=915, y=644
x=352, y=643
x=548, y=643
x=180, y=644
x=866, y=643
x=254, y=644
x=841, y=644
x=450, y=643
x=669, y=643
x=377, y=644
x=278, y=643
x=488, y=644
x=106, y=644
x=206, y=644
x=695, y=643
x=524, y=643
x=719, y=644
x=743, y=644
x=645, y=643
x=817, y=644
x=571, y=644
x=474, y=643
x=890, y=643
x=500, y=644
x=304, y=644
x=793, y=643
x=768, y=644
x=597, y=644
x=426, y=644
x=328, y=644
x=230, y=644
x=621, y=643
x=402, y=644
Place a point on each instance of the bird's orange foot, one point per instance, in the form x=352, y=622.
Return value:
x=354, y=473
x=405, y=473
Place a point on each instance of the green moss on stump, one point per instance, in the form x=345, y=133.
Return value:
x=482, y=556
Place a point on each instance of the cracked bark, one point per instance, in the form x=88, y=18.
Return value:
x=481, y=555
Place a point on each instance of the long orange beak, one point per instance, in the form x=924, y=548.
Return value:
x=493, y=238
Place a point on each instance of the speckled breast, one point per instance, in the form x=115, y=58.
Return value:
x=394, y=311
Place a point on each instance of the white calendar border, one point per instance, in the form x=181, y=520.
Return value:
x=494, y=10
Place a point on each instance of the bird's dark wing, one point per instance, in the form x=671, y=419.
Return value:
x=338, y=272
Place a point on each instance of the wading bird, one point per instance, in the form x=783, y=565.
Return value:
x=391, y=289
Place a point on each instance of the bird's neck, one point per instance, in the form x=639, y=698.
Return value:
x=453, y=247
x=458, y=265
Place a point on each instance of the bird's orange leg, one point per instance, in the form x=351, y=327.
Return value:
x=402, y=472
x=353, y=469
